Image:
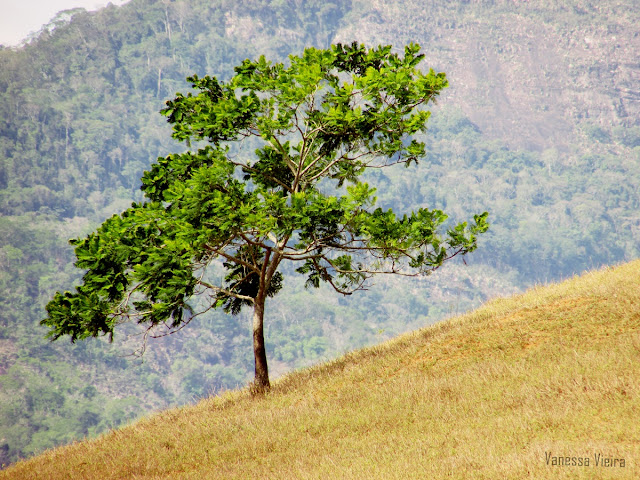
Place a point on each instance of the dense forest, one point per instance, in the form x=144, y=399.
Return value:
x=539, y=127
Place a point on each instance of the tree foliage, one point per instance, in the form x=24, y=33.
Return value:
x=321, y=120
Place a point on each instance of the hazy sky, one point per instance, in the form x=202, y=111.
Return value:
x=18, y=18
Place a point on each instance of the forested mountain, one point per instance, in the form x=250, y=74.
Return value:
x=541, y=127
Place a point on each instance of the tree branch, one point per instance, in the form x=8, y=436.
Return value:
x=230, y=293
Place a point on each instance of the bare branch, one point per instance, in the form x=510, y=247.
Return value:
x=233, y=259
x=227, y=292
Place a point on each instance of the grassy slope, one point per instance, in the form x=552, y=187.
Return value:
x=484, y=395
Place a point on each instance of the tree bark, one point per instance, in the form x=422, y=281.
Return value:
x=261, y=382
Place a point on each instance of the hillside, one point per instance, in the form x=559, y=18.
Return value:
x=525, y=73
x=501, y=392
x=540, y=127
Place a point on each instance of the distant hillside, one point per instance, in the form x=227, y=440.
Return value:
x=541, y=127
x=540, y=385
x=533, y=74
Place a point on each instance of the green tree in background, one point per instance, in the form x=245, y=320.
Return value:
x=218, y=222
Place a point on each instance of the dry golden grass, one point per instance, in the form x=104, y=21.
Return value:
x=488, y=395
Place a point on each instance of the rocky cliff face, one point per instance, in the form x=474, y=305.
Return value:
x=527, y=73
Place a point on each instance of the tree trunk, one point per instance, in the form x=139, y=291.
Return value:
x=261, y=383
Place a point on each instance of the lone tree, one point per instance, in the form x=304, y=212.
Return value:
x=319, y=122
